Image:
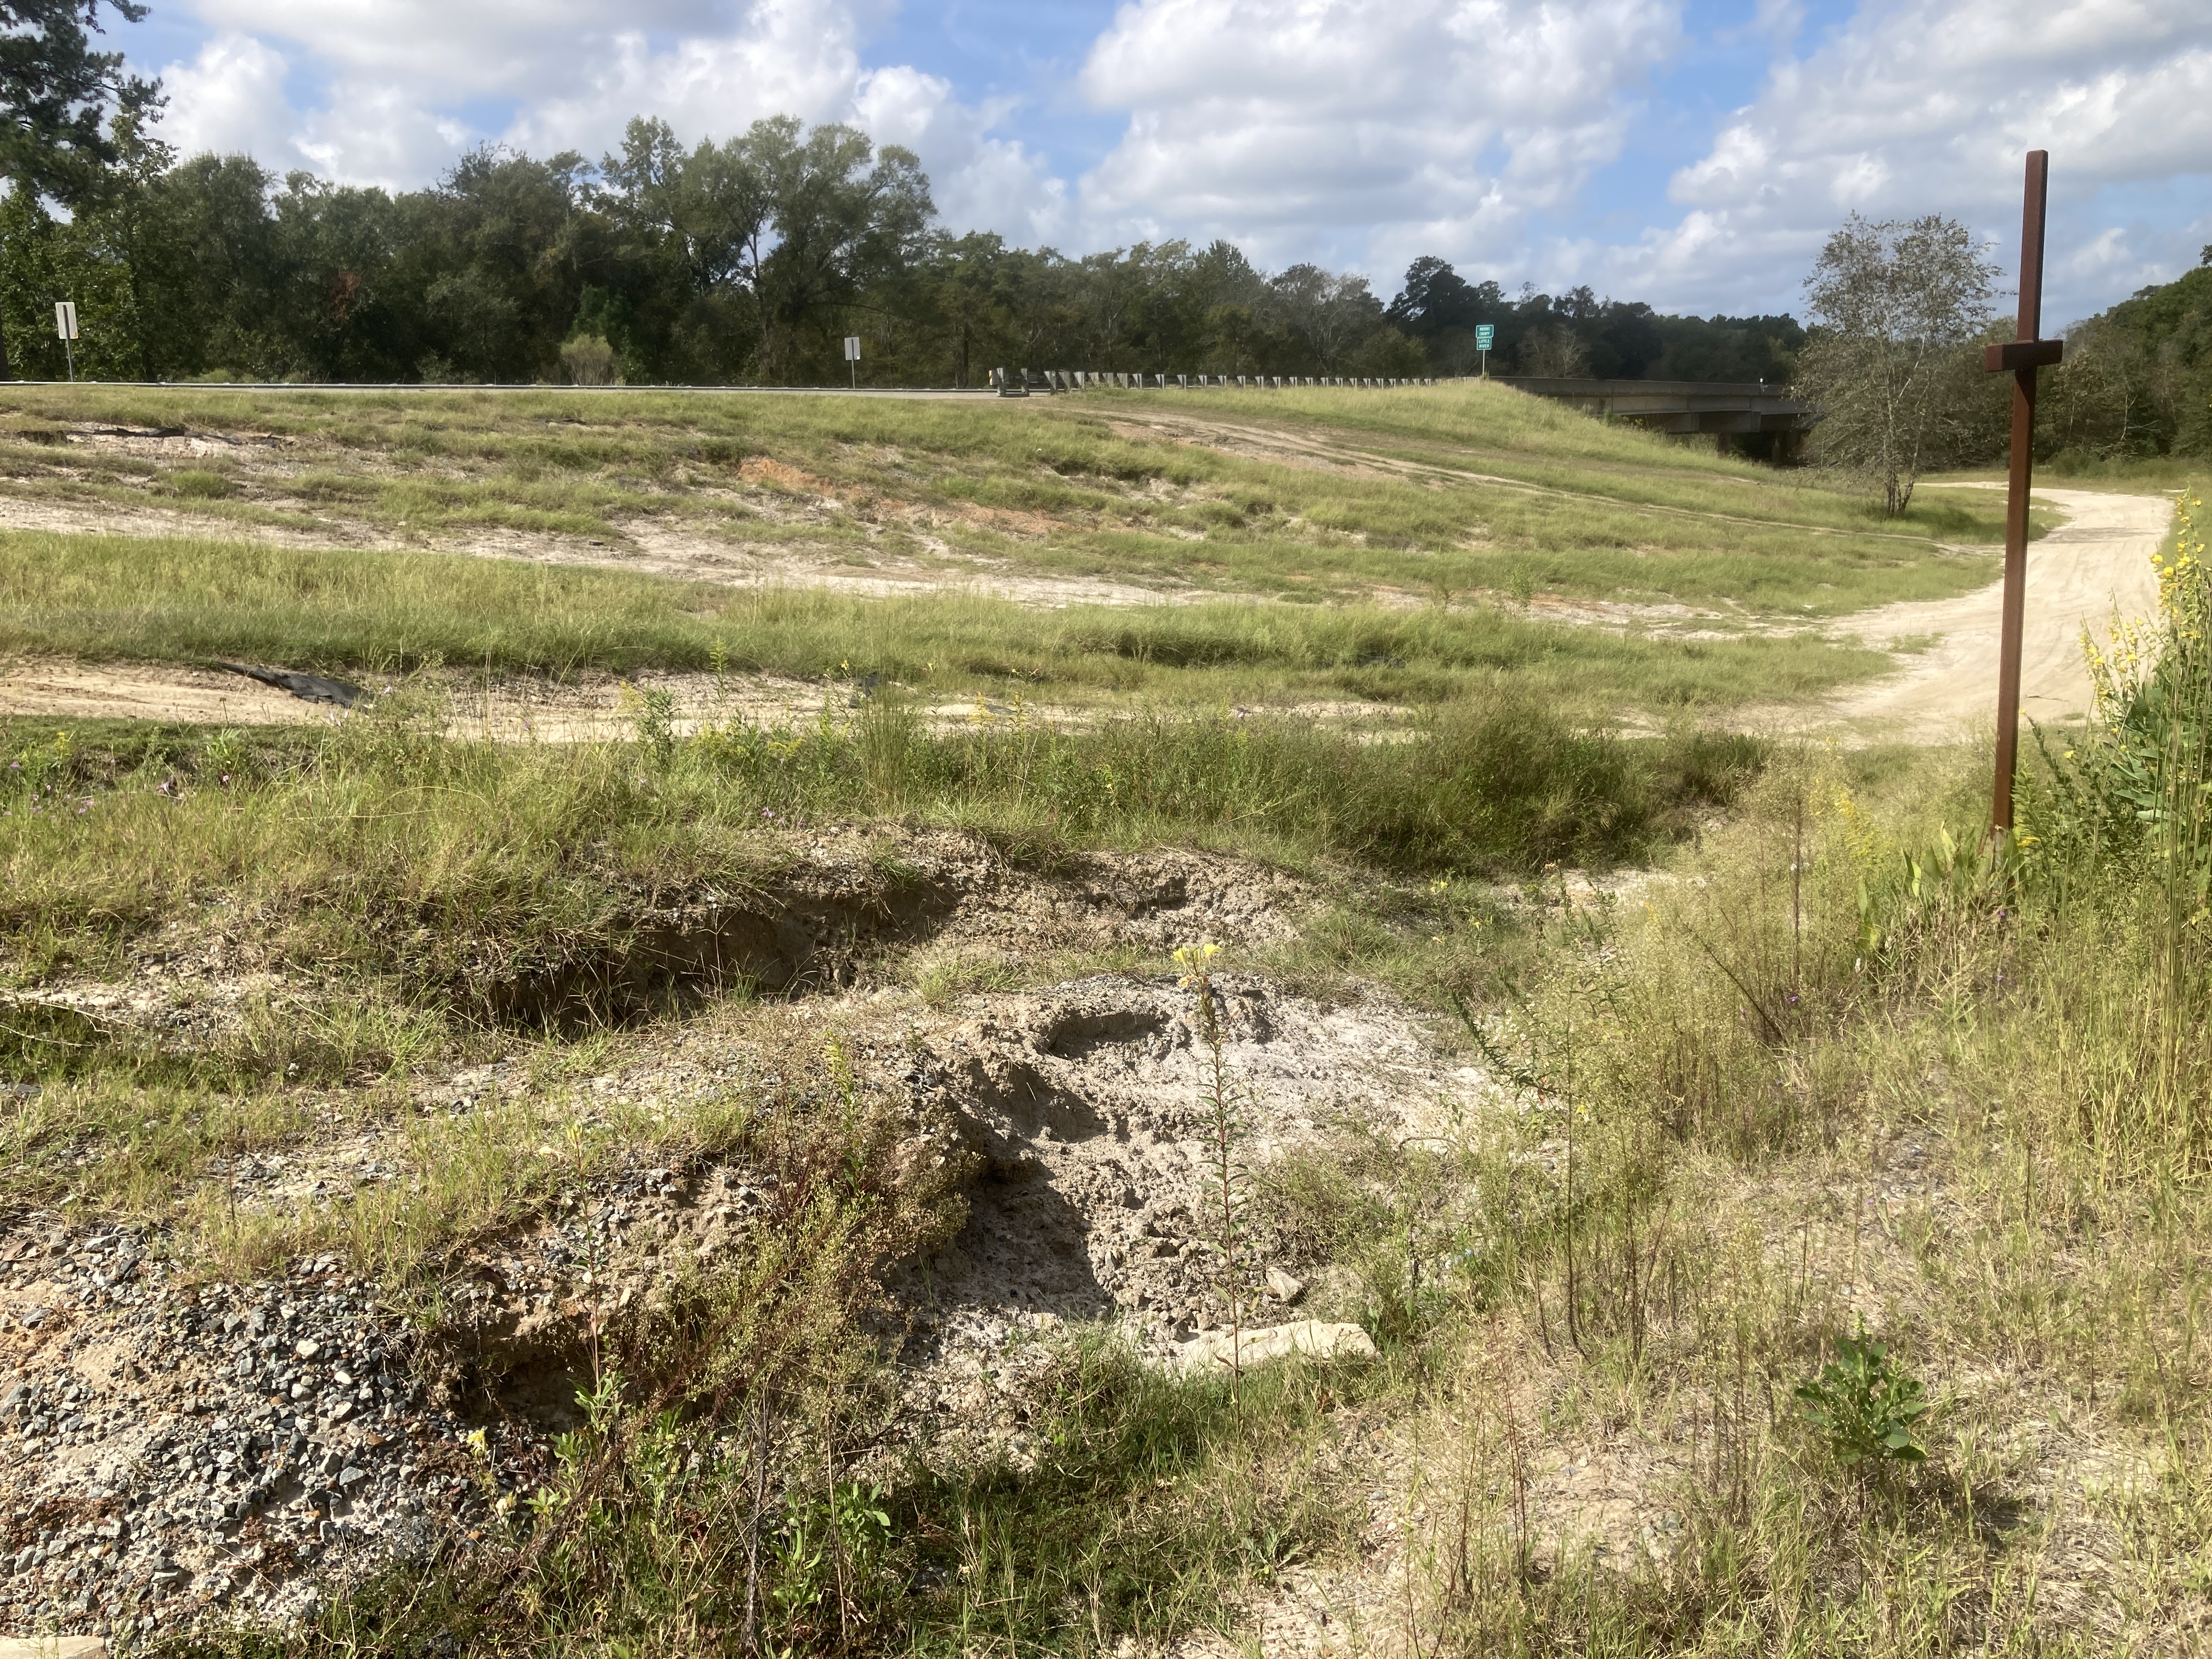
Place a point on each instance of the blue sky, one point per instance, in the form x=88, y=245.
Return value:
x=1690, y=152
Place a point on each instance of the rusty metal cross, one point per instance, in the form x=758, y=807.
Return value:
x=2020, y=359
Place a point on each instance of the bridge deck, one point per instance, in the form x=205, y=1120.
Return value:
x=1719, y=407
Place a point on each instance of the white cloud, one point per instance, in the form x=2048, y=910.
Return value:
x=787, y=56
x=1928, y=106
x=977, y=179
x=445, y=48
x=1356, y=132
x=369, y=131
x=404, y=74
x=230, y=99
x=1354, y=126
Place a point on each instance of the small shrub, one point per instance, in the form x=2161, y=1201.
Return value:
x=655, y=716
x=1865, y=1405
x=588, y=360
x=196, y=484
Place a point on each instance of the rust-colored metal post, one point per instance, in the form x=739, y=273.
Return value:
x=2022, y=358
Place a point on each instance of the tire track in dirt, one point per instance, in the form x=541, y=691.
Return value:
x=2090, y=569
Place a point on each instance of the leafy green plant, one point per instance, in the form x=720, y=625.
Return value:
x=43, y=767
x=1865, y=1405
x=654, y=714
x=1225, y=1185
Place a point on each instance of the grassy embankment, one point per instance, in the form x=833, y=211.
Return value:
x=1847, y=1082
x=1405, y=496
x=520, y=854
x=1635, y=1266
x=393, y=875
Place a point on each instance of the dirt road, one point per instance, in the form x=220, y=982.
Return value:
x=2078, y=576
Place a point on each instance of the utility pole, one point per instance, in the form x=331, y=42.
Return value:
x=2020, y=359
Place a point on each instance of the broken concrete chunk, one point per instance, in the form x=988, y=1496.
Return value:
x=1315, y=1338
x=1283, y=1287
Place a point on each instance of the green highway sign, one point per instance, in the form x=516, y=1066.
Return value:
x=1483, y=334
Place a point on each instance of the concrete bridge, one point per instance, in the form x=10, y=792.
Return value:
x=1753, y=418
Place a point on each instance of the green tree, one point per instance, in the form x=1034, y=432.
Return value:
x=56, y=94
x=1329, y=317
x=39, y=257
x=499, y=293
x=122, y=224
x=2138, y=379
x=1897, y=306
x=344, y=297
x=210, y=270
x=968, y=287
x=689, y=230
x=843, y=216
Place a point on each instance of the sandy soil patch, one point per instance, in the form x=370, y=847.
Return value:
x=2092, y=567
x=675, y=548
x=64, y=688
x=597, y=709
x=591, y=708
x=172, y=1451
x=67, y=517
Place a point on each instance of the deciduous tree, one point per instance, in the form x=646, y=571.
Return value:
x=1897, y=306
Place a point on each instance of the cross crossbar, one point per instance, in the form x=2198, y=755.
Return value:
x=2016, y=354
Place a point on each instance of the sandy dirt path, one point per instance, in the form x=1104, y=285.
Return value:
x=594, y=708
x=2078, y=576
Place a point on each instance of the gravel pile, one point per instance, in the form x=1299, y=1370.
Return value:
x=169, y=1450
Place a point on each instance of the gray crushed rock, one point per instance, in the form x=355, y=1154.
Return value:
x=170, y=1450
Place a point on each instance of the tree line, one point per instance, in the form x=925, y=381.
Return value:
x=745, y=260
x=752, y=258
x=2137, y=378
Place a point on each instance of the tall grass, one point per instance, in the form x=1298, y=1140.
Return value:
x=2120, y=831
x=388, y=850
x=1863, y=1071
x=373, y=612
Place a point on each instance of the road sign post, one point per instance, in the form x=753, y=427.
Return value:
x=853, y=356
x=1485, y=335
x=65, y=325
x=2020, y=359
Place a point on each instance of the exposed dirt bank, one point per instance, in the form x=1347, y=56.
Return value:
x=175, y=1446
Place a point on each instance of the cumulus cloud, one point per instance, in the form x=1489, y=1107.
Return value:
x=977, y=178
x=230, y=99
x=1356, y=132
x=1364, y=125
x=783, y=58
x=411, y=83
x=448, y=48
x=1928, y=106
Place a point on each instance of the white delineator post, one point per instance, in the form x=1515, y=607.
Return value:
x=65, y=326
